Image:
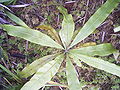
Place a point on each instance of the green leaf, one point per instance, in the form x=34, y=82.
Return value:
x=34, y=1
x=72, y=78
x=34, y=66
x=117, y=29
x=1, y=1
x=99, y=63
x=9, y=72
x=31, y=35
x=96, y=19
x=4, y=55
x=100, y=50
x=44, y=74
x=15, y=19
x=77, y=61
x=68, y=26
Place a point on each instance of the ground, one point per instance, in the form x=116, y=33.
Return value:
x=21, y=52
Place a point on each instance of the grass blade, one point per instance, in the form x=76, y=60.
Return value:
x=9, y=72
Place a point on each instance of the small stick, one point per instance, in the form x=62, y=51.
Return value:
x=7, y=81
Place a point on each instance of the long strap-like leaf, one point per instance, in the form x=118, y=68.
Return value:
x=34, y=66
x=72, y=78
x=99, y=63
x=97, y=18
x=44, y=74
x=31, y=35
x=68, y=26
x=99, y=50
x=15, y=19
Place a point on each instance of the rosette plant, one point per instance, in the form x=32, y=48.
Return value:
x=46, y=67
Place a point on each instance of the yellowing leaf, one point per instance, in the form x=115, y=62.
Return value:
x=85, y=44
x=51, y=32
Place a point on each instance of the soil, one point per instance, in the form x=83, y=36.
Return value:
x=45, y=12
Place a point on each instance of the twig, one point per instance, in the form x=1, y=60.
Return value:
x=86, y=12
x=79, y=20
x=60, y=88
x=4, y=63
x=7, y=81
x=103, y=36
x=43, y=88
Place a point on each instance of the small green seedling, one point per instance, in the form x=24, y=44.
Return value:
x=46, y=67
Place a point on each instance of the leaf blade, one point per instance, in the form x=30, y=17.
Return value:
x=100, y=50
x=34, y=66
x=72, y=78
x=52, y=32
x=31, y=35
x=15, y=19
x=96, y=19
x=1, y=1
x=44, y=74
x=99, y=63
x=68, y=27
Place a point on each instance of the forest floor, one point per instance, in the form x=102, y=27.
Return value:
x=21, y=52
